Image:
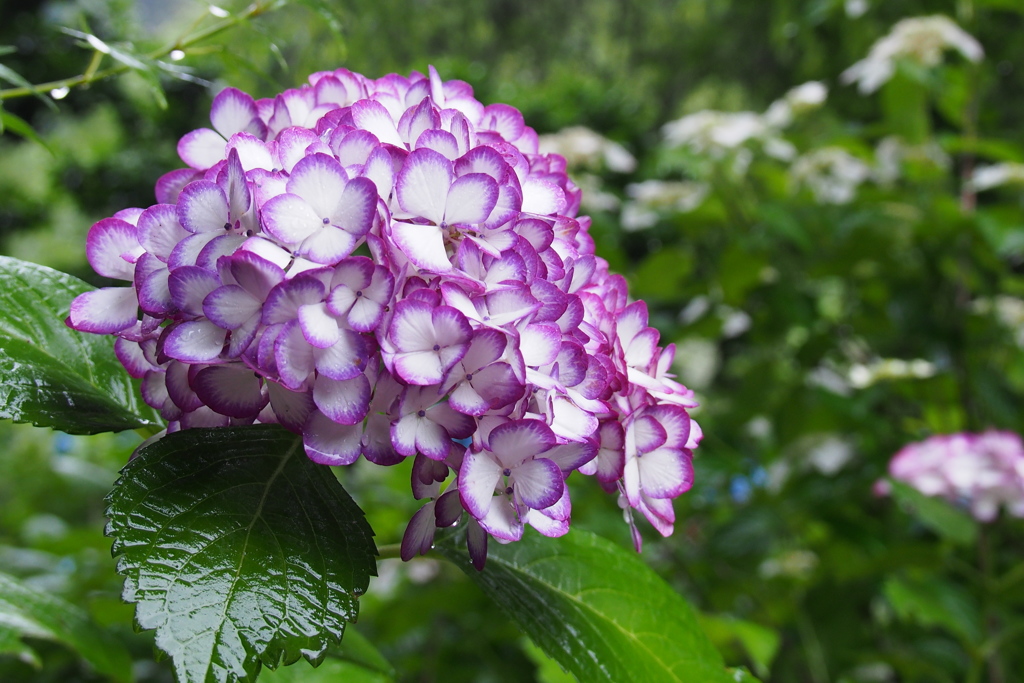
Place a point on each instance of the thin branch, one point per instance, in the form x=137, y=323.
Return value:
x=92, y=74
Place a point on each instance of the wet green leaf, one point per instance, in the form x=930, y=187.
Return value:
x=238, y=550
x=28, y=612
x=52, y=375
x=596, y=608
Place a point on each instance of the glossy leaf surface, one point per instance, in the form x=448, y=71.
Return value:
x=238, y=550
x=52, y=375
x=597, y=609
x=28, y=612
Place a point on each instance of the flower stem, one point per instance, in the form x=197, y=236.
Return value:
x=93, y=73
x=390, y=551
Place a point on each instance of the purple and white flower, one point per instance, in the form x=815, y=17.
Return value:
x=391, y=269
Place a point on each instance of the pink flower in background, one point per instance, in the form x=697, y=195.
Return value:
x=980, y=471
x=391, y=269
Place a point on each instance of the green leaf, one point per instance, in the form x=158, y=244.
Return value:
x=238, y=550
x=330, y=671
x=40, y=615
x=20, y=126
x=358, y=650
x=930, y=601
x=11, y=643
x=760, y=643
x=52, y=375
x=356, y=660
x=741, y=675
x=14, y=78
x=597, y=609
x=936, y=514
x=548, y=670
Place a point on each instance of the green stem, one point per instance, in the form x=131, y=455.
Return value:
x=92, y=74
x=990, y=620
x=148, y=431
x=389, y=552
x=812, y=646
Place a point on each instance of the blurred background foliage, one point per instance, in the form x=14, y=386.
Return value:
x=841, y=273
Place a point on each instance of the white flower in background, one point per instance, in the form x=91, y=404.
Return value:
x=793, y=564
x=651, y=197
x=919, y=39
x=718, y=134
x=798, y=100
x=830, y=379
x=715, y=132
x=636, y=217
x=831, y=173
x=695, y=309
x=863, y=375
x=734, y=321
x=759, y=427
x=1008, y=310
x=855, y=9
x=1006, y=173
x=595, y=198
x=697, y=361
x=892, y=152
x=583, y=148
x=830, y=455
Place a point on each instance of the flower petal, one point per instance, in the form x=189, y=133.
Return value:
x=230, y=306
x=195, y=341
x=345, y=402
x=423, y=245
x=515, y=441
x=320, y=180
x=203, y=207
x=290, y=219
x=201, y=149
x=104, y=311
x=329, y=443
x=292, y=408
x=470, y=199
x=112, y=248
x=234, y=111
x=665, y=473
x=232, y=390
x=479, y=475
x=319, y=327
x=419, y=534
x=372, y=116
x=538, y=483
x=423, y=183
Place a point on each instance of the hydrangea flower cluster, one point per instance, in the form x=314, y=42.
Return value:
x=979, y=471
x=391, y=269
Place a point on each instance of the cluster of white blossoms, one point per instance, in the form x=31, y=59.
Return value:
x=831, y=173
x=393, y=270
x=922, y=40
